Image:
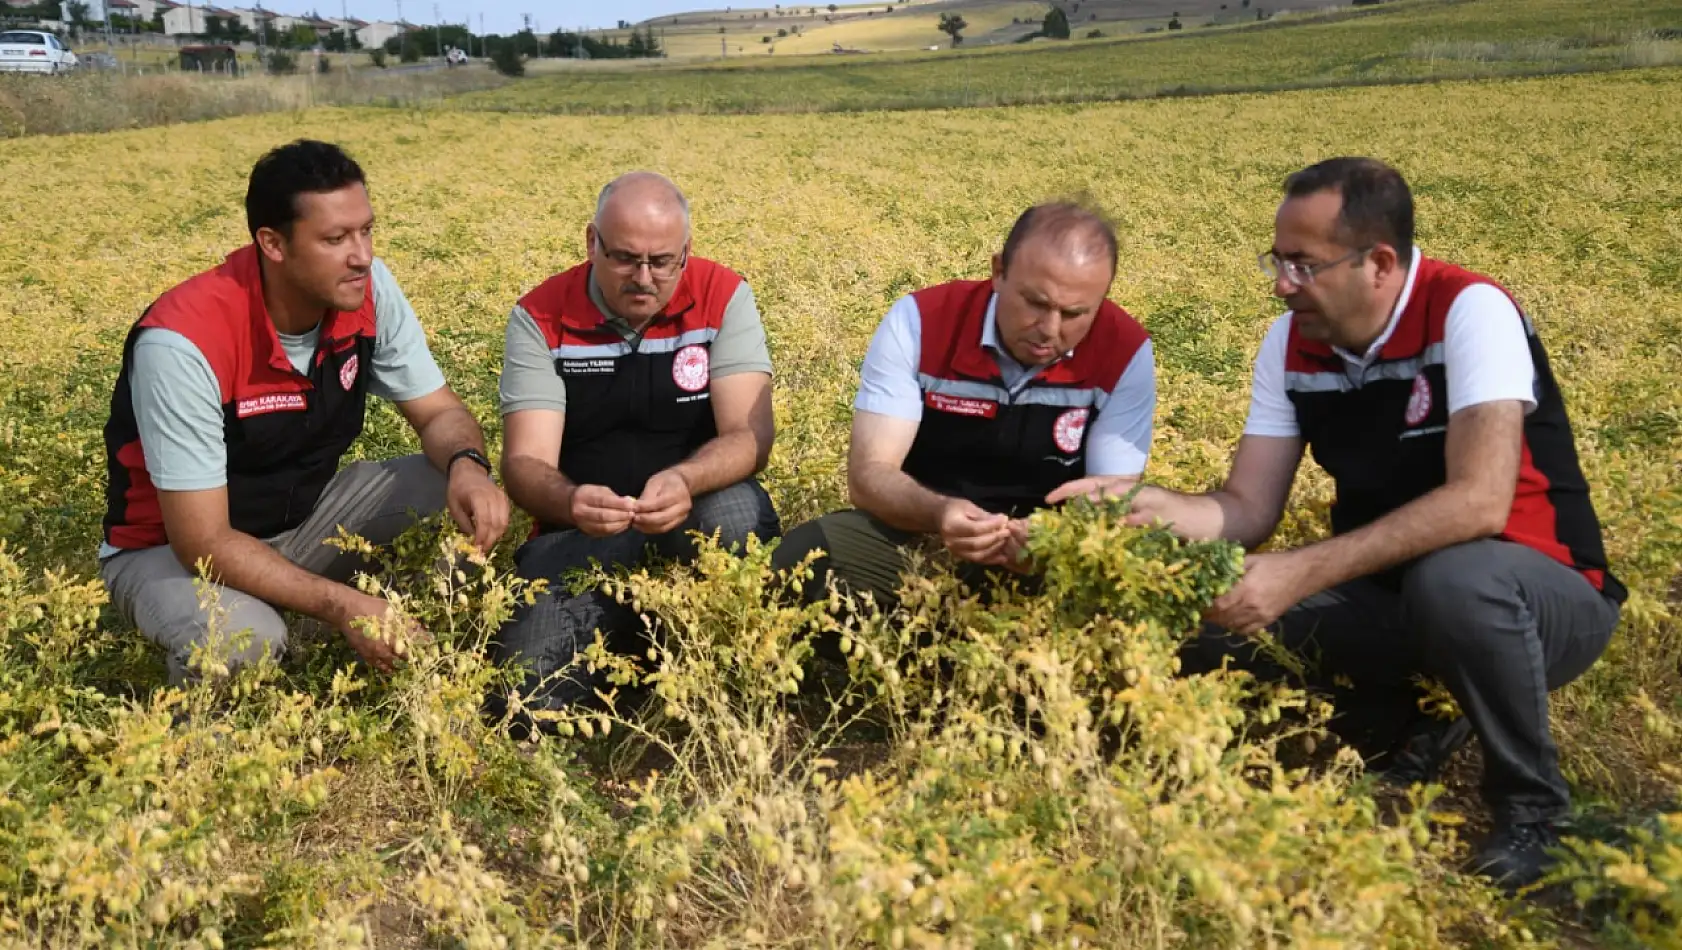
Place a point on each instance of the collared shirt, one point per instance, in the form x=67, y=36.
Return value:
x=1119, y=436
x=529, y=380
x=1485, y=355
x=178, y=401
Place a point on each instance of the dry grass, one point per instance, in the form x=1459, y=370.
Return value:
x=92, y=102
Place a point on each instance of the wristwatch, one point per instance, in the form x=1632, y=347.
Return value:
x=478, y=458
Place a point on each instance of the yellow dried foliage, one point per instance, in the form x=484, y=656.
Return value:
x=317, y=805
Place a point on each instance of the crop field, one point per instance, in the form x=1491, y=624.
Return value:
x=760, y=799
x=1415, y=40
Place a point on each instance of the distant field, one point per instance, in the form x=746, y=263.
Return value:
x=914, y=24
x=1400, y=42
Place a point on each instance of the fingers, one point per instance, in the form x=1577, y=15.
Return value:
x=1067, y=490
x=599, y=512
x=490, y=519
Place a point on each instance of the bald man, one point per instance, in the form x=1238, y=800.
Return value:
x=982, y=401
x=636, y=403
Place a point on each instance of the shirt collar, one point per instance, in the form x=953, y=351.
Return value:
x=990, y=331
x=613, y=320
x=1389, y=328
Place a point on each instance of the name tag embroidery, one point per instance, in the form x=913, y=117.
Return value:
x=271, y=402
x=978, y=408
x=593, y=367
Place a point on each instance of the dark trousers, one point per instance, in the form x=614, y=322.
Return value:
x=547, y=634
x=866, y=554
x=1499, y=624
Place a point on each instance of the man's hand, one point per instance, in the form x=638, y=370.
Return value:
x=600, y=513
x=1014, y=556
x=972, y=534
x=1096, y=488
x=477, y=505
x=664, y=503
x=1271, y=585
x=1150, y=505
x=358, y=618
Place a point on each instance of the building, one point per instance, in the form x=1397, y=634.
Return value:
x=147, y=9
x=256, y=19
x=374, y=35
x=195, y=19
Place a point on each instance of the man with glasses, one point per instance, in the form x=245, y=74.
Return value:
x=1464, y=546
x=981, y=401
x=636, y=401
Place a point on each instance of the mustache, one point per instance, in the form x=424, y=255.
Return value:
x=635, y=288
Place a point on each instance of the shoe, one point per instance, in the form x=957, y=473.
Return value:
x=1516, y=855
x=1428, y=747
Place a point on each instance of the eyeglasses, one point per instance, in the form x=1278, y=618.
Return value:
x=660, y=266
x=1300, y=275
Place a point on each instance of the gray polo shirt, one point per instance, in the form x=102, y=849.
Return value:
x=178, y=401
x=529, y=380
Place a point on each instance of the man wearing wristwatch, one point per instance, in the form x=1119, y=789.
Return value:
x=636, y=402
x=240, y=391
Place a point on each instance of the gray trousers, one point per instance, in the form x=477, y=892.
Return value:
x=1498, y=623
x=548, y=634
x=376, y=500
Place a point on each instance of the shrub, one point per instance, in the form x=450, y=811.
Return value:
x=410, y=54
x=506, y=60
x=377, y=57
x=282, y=63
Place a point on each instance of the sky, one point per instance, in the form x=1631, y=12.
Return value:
x=501, y=16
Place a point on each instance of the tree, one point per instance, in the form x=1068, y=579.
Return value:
x=832, y=8
x=1056, y=24
x=953, y=25
x=77, y=11
x=1174, y=24
x=505, y=59
x=634, y=47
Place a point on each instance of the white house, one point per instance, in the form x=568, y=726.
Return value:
x=254, y=18
x=146, y=9
x=375, y=34
x=193, y=19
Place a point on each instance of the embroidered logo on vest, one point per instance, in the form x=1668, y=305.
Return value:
x=347, y=372
x=1069, y=429
x=980, y=408
x=689, y=369
x=1419, y=403
x=272, y=402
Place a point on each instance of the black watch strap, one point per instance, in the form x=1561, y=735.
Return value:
x=478, y=458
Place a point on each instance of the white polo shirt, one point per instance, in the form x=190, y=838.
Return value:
x=1119, y=437
x=1486, y=358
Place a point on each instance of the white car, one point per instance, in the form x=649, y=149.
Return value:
x=31, y=51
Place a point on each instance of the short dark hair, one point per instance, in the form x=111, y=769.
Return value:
x=1063, y=221
x=1377, y=205
x=301, y=167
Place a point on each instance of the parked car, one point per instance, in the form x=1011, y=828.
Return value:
x=33, y=51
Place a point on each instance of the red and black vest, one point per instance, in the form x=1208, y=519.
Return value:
x=285, y=431
x=1003, y=450
x=634, y=407
x=1384, y=442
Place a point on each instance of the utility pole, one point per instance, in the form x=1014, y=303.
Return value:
x=402, y=33
x=438, y=30
x=483, y=49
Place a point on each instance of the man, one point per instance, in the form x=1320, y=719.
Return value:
x=240, y=391
x=1464, y=543
x=982, y=401
x=636, y=400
